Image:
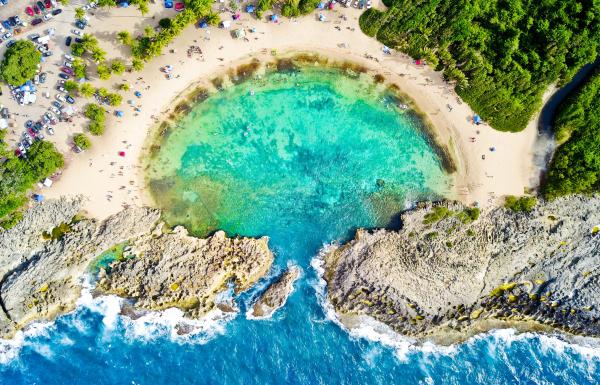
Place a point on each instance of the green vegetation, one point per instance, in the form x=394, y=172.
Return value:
x=103, y=71
x=79, y=13
x=114, y=99
x=17, y=176
x=20, y=63
x=58, y=232
x=142, y=5
x=521, y=205
x=575, y=166
x=164, y=23
x=151, y=43
x=87, y=90
x=82, y=141
x=124, y=37
x=79, y=68
x=468, y=215
x=437, y=214
x=96, y=115
x=124, y=87
x=71, y=85
x=502, y=55
x=117, y=67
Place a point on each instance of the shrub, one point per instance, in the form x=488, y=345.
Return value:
x=97, y=117
x=521, y=204
x=82, y=141
x=437, y=214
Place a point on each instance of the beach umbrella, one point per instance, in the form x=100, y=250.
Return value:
x=476, y=119
x=38, y=197
x=250, y=8
x=119, y=113
x=274, y=18
x=138, y=94
x=203, y=24
x=121, y=153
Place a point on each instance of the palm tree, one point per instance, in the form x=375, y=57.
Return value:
x=98, y=55
x=124, y=37
x=212, y=18
x=137, y=64
x=79, y=13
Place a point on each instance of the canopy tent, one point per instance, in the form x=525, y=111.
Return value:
x=250, y=8
x=274, y=18
x=225, y=24
x=203, y=24
x=38, y=197
x=476, y=119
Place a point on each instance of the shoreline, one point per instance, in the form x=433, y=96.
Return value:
x=113, y=182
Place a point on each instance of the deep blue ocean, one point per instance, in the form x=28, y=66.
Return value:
x=304, y=158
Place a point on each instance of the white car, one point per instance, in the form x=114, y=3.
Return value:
x=68, y=64
x=55, y=110
x=76, y=32
x=61, y=89
x=60, y=98
x=50, y=130
x=47, y=17
x=7, y=35
x=68, y=57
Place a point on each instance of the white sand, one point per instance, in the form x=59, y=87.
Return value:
x=100, y=172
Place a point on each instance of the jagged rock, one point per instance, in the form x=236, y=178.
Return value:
x=174, y=269
x=47, y=282
x=496, y=262
x=276, y=294
x=42, y=275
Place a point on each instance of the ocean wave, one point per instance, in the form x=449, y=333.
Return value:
x=10, y=349
x=368, y=328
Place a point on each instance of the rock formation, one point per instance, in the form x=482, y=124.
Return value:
x=173, y=269
x=444, y=275
x=44, y=259
x=276, y=294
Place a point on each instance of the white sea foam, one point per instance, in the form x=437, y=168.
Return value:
x=365, y=327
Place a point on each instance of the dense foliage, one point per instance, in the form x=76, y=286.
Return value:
x=502, y=54
x=20, y=63
x=151, y=44
x=82, y=141
x=575, y=166
x=522, y=204
x=96, y=115
x=17, y=176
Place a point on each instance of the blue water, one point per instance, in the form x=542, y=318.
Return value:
x=300, y=158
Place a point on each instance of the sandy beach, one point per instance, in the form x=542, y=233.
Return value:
x=111, y=181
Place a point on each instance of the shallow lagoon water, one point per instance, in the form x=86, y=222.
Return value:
x=298, y=157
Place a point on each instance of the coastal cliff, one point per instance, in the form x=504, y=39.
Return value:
x=44, y=259
x=448, y=274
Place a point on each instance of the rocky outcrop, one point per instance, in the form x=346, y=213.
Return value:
x=45, y=258
x=276, y=294
x=173, y=269
x=445, y=276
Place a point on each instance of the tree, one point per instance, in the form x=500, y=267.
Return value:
x=64, y=2
x=79, y=68
x=77, y=49
x=137, y=64
x=97, y=117
x=82, y=141
x=143, y=8
x=149, y=31
x=165, y=23
x=103, y=71
x=212, y=18
x=117, y=67
x=114, y=99
x=86, y=90
x=102, y=92
x=20, y=63
x=98, y=55
x=79, y=13
x=124, y=87
x=124, y=37
x=521, y=204
x=71, y=85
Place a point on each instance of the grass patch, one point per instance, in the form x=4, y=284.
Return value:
x=520, y=205
x=437, y=214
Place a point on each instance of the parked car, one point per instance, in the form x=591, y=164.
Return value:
x=6, y=24
x=36, y=9
x=47, y=17
x=43, y=77
x=70, y=99
x=34, y=36
x=55, y=110
x=57, y=12
x=57, y=104
x=29, y=124
x=63, y=76
x=47, y=53
x=68, y=41
x=50, y=130
x=60, y=98
x=67, y=70
x=7, y=35
x=36, y=21
x=10, y=43
x=29, y=11
x=80, y=24
x=60, y=88
x=68, y=57
x=40, y=5
x=48, y=4
x=68, y=64
x=78, y=40
x=76, y=32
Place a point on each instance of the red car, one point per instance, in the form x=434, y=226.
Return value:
x=67, y=70
x=36, y=9
x=48, y=4
x=29, y=11
x=179, y=7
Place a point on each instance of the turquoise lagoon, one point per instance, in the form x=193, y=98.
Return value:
x=304, y=157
